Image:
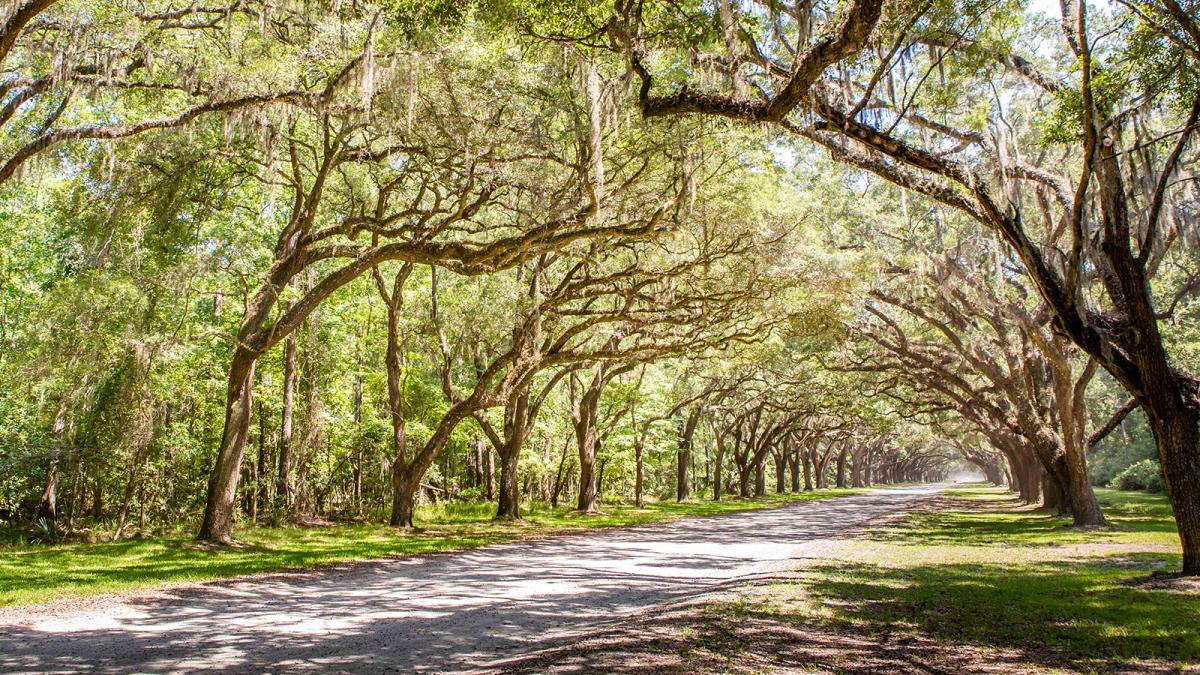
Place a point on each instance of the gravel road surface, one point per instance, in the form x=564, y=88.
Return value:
x=450, y=612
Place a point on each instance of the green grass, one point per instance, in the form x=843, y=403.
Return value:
x=39, y=573
x=1136, y=518
x=992, y=575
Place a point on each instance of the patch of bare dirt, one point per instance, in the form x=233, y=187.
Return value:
x=701, y=637
x=1173, y=583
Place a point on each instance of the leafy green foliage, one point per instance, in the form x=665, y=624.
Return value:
x=1145, y=475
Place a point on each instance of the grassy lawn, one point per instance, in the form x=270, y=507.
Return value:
x=37, y=573
x=986, y=581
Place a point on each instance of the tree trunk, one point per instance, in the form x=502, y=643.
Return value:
x=1053, y=498
x=587, y=474
x=760, y=479
x=744, y=481
x=558, y=477
x=806, y=460
x=222, y=485
x=260, y=473
x=406, y=479
x=489, y=474
x=682, y=487
x=856, y=461
x=793, y=462
x=509, y=505
x=1031, y=480
x=48, y=507
x=638, y=447
x=1178, y=439
x=684, y=457
x=841, y=468
x=600, y=477
x=283, y=492
x=403, y=497
x=819, y=466
x=516, y=429
x=718, y=467
x=780, y=474
x=584, y=419
x=393, y=361
x=1085, y=510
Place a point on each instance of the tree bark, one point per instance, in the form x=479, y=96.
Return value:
x=509, y=504
x=1177, y=436
x=584, y=416
x=780, y=474
x=403, y=499
x=283, y=492
x=586, y=442
x=684, y=456
x=217, y=525
x=517, y=423
x=819, y=468
x=718, y=466
x=489, y=474
x=1053, y=497
x=793, y=461
x=48, y=506
x=682, y=486
x=1085, y=510
x=638, y=448
x=260, y=473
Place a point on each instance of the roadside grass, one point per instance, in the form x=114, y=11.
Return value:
x=988, y=576
x=31, y=574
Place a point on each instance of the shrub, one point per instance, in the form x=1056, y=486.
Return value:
x=1144, y=475
x=471, y=494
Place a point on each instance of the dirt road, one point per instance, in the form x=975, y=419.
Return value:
x=445, y=612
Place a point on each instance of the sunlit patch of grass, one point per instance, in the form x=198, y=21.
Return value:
x=39, y=573
x=1135, y=518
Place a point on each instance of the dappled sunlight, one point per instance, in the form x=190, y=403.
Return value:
x=1055, y=613
x=38, y=573
x=443, y=611
x=990, y=516
x=907, y=601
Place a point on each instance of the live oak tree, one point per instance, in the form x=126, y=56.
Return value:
x=1088, y=198
x=981, y=352
x=84, y=73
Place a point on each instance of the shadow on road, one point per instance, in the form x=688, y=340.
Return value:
x=452, y=611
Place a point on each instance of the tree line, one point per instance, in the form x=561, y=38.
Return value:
x=275, y=260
